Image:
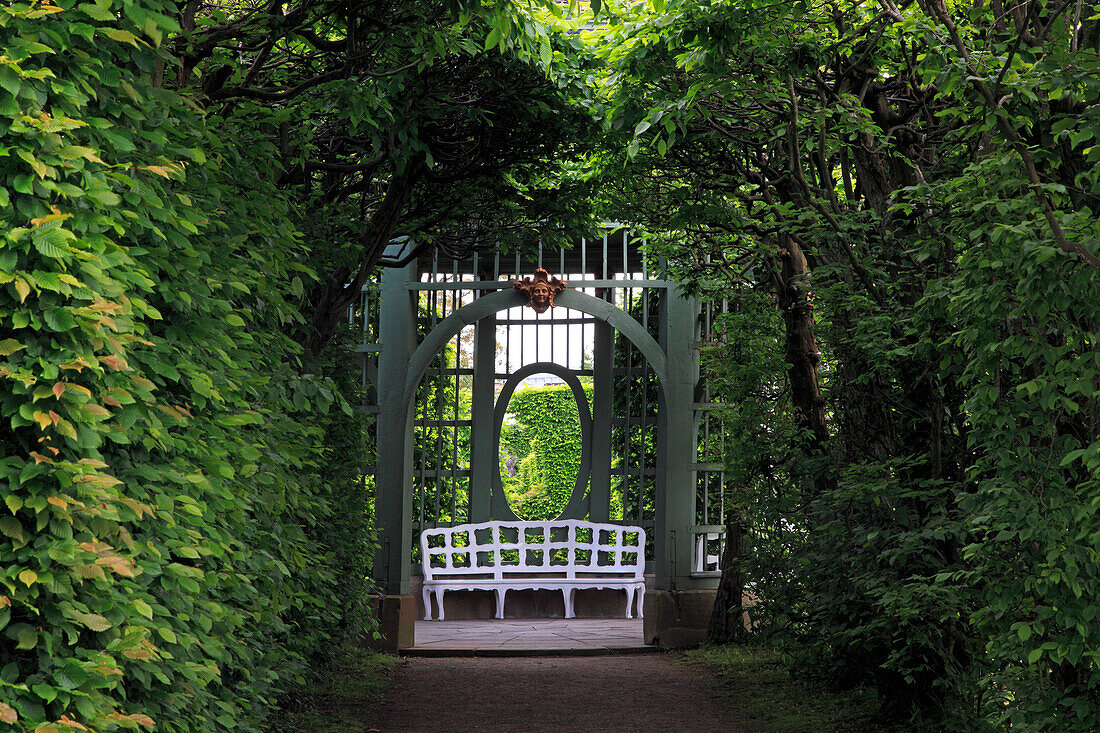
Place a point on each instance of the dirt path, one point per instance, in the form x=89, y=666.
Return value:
x=648, y=692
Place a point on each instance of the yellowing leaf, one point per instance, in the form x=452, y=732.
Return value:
x=56, y=216
x=70, y=723
x=10, y=346
x=22, y=288
x=89, y=572
x=28, y=577
x=118, y=35
x=79, y=151
x=164, y=171
x=118, y=564
x=40, y=168
x=141, y=718
x=7, y=713
x=42, y=419
x=58, y=389
x=115, y=362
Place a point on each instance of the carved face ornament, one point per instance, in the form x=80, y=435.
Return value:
x=541, y=290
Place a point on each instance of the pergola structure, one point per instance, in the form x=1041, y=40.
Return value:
x=445, y=344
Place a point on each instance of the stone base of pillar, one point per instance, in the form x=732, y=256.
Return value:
x=396, y=623
x=677, y=619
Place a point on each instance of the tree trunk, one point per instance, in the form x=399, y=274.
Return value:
x=330, y=298
x=726, y=620
x=796, y=303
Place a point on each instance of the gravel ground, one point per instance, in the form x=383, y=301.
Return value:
x=645, y=692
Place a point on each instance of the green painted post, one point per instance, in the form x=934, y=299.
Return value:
x=599, y=508
x=393, y=471
x=676, y=446
x=483, y=448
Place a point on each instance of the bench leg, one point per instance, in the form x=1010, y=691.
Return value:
x=629, y=600
x=641, y=595
x=500, y=600
x=439, y=601
x=567, y=596
x=427, y=594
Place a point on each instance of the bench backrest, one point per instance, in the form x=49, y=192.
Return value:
x=500, y=549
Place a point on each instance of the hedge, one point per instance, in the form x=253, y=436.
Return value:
x=161, y=562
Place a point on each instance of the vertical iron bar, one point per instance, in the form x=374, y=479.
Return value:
x=626, y=258
x=628, y=433
x=455, y=428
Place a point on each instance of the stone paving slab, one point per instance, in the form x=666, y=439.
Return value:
x=528, y=637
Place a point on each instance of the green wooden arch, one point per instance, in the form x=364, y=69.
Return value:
x=487, y=305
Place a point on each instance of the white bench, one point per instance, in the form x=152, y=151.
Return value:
x=559, y=555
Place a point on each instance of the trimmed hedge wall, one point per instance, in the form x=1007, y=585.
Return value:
x=161, y=442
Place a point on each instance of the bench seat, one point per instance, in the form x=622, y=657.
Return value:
x=560, y=555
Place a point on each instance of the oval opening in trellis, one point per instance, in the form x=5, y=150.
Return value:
x=541, y=445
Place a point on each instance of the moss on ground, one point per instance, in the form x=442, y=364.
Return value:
x=769, y=697
x=344, y=699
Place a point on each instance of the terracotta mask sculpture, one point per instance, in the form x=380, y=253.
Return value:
x=541, y=290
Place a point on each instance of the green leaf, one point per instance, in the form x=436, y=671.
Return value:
x=104, y=196
x=44, y=691
x=27, y=638
x=49, y=240
x=1034, y=656
x=492, y=39
x=93, y=621
x=1070, y=457
x=12, y=528
x=96, y=12
x=143, y=608
x=59, y=319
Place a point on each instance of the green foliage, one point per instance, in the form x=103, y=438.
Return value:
x=164, y=469
x=545, y=436
x=935, y=166
x=770, y=694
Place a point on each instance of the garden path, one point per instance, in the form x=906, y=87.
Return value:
x=638, y=692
